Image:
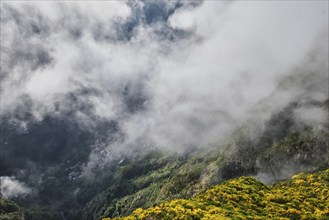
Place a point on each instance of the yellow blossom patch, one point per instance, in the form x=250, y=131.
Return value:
x=304, y=197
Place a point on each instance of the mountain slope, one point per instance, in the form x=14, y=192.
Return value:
x=156, y=178
x=305, y=196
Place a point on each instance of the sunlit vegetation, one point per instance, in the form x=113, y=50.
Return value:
x=164, y=178
x=304, y=196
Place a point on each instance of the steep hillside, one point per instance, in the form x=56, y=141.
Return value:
x=305, y=196
x=151, y=176
x=157, y=177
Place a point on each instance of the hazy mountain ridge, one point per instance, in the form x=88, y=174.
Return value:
x=151, y=176
x=108, y=106
x=195, y=172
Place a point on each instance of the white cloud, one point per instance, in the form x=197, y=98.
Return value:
x=198, y=89
x=311, y=115
x=53, y=10
x=10, y=187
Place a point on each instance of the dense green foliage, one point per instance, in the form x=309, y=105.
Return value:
x=156, y=177
x=9, y=210
x=305, y=196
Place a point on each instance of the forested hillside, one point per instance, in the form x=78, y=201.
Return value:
x=305, y=196
x=157, y=177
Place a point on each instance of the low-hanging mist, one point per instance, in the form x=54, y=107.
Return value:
x=105, y=78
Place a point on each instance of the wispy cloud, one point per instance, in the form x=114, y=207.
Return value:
x=10, y=187
x=172, y=74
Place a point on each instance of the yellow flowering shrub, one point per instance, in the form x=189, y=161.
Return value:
x=305, y=196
